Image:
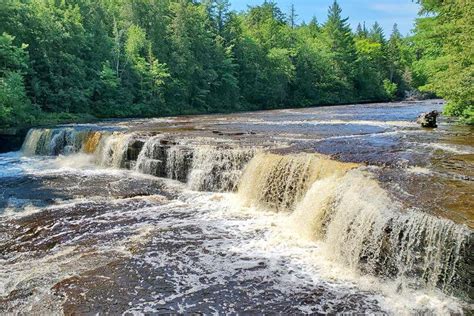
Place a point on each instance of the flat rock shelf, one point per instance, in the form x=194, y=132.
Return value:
x=351, y=208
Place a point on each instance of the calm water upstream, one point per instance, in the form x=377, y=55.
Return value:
x=318, y=210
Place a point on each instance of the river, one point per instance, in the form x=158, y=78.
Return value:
x=350, y=208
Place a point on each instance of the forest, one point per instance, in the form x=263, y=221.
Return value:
x=73, y=60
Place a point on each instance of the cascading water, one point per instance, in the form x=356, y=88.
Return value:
x=91, y=142
x=31, y=142
x=286, y=230
x=364, y=228
x=38, y=142
x=112, y=150
x=204, y=168
x=360, y=225
x=278, y=182
x=178, y=162
x=218, y=169
x=152, y=158
x=337, y=203
x=109, y=149
x=53, y=142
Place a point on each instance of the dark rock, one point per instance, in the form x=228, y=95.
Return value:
x=134, y=148
x=167, y=142
x=428, y=119
x=229, y=133
x=164, y=141
x=11, y=139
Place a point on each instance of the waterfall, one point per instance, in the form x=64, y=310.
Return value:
x=278, y=182
x=53, y=142
x=31, y=142
x=112, y=150
x=178, y=162
x=108, y=149
x=364, y=228
x=91, y=142
x=359, y=224
x=67, y=141
x=217, y=169
x=204, y=168
x=152, y=158
x=338, y=204
x=162, y=160
x=44, y=142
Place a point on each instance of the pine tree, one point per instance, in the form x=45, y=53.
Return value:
x=376, y=33
x=341, y=44
x=292, y=16
x=393, y=51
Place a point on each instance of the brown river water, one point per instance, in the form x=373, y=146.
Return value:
x=343, y=209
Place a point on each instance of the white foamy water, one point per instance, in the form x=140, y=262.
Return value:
x=254, y=245
x=418, y=170
x=386, y=124
x=460, y=150
x=139, y=223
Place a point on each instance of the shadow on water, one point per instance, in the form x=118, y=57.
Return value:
x=90, y=238
x=30, y=191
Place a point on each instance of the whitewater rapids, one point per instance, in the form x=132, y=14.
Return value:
x=98, y=219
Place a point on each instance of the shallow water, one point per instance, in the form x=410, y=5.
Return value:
x=241, y=214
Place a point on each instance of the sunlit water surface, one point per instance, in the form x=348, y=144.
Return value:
x=96, y=228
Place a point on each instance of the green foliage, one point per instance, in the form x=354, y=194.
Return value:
x=341, y=44
x=121, y=58
x=445, y=47
x=14, y=105
x=390, y=88
x=369, y=79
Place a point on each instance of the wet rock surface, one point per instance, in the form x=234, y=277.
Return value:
x=80, y=236
x=428, y=119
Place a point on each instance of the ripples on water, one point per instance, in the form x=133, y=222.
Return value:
x=210, y=221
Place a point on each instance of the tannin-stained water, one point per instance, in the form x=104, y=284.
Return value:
x=152, y=216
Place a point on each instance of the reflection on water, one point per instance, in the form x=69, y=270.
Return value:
x=242, y=213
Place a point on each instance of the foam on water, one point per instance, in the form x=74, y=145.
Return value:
x=299, y=224
x=245, y=242
x=403, y=124
x=359, y=223
x=316, y=258
x=418, y=170
x=455, y=149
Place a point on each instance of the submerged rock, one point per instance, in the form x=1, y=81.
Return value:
x=428, y=119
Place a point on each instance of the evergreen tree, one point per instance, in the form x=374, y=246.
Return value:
x=361, y=31
x=376, y=33
x=314, y=27
x=397, y=67
x=157, y=57
x=342, y=47
x=292, y=16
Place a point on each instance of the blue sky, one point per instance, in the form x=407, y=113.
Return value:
x=402, y=12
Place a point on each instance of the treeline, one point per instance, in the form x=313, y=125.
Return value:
x=444, y=43
x=122, y=58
